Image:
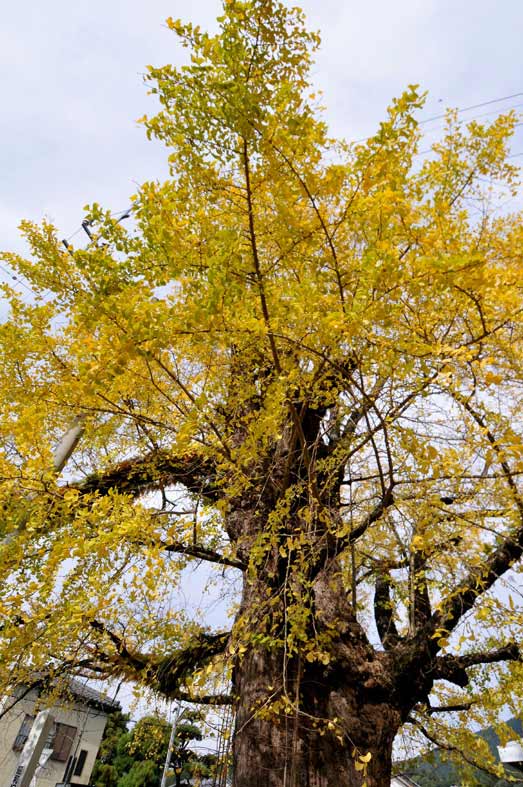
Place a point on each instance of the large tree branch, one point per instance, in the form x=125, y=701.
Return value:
x=154, y=471
x=384, y=612
x=455, y=708
x=333, y=545
x=313, y=202
x=121, y=656
x=462, y=599
x=338, y=545
x=165, y=674
x=91, y=669
x=255, y=256
x=421, y=610
x=454, y=668
x=377, y=512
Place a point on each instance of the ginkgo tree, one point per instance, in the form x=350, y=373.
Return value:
x=301, y=364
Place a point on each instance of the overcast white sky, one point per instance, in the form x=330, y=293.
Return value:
x=72, y=87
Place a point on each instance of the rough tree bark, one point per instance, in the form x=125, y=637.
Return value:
x=301, y=744
x=301, y=722
x=290, y=750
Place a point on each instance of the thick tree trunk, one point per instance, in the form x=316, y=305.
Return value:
x=279, y=749
x=305, y=719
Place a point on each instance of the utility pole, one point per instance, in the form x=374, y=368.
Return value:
x=177, y=718
x=61, y=455
x=30, y=756
x=68, y=443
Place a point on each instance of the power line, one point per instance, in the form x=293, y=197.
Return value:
x=430, y=150
x=437, y=129
x=459, y=111
x=87, y=224
x=17, y=279
x=126, y=213
x=472, y=106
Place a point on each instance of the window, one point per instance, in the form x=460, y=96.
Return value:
x=23, y=732
x=80, y=763
x=61, y=740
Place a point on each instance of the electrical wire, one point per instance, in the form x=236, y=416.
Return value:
x=119, y=215
x=471, y=107
x=459, y=111
x=16, y=279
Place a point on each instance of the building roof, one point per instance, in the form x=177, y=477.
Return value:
x=68, y=689
x=90, y=696
x=401, y=780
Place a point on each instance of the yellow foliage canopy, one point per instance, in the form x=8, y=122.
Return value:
x=303, y=352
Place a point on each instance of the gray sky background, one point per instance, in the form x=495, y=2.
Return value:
x=71, y=77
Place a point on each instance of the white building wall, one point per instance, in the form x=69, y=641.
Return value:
x=89, y=723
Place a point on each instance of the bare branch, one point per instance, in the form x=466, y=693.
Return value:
x=447, y=746
x=494, y=444
x=202, y=553
x=462, y=599
x=204, y=699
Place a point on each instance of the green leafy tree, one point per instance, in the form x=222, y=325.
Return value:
x=126, y=757
x=136, y=758
x=142, y=774
x=311, y=351
x=185, y=763
x=148, y=739
x=105, y=771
